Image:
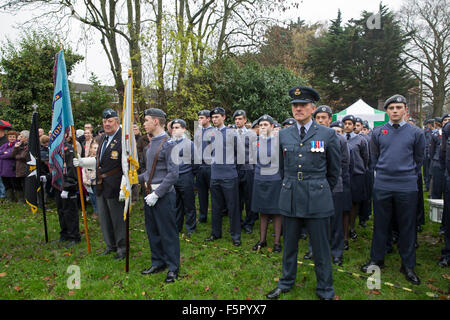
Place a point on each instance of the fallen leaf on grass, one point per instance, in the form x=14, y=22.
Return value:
x=276, y=279
x=47, y=278
x=2, y=274
x=17, y=288
x=374, y=292
x=143, y=293
x=431, y=280
x=67, y=253
x=71, y=293
x=446, y=276
x=105, y=277
x=248, y=298
x=435, y=288
x=207, y=289
x=235, y=289
x=269, y=249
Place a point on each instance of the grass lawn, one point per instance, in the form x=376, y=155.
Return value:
x=31, y=269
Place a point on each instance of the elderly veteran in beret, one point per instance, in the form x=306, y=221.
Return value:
x=310, y=164
x=110, y=197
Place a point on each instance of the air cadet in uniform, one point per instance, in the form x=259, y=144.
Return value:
x=202, y=140
x=338, y=126
x=365, y=208
x=224, y=178
x=359, y=151
x=426, y=163
x=444, y=157
x=310, y=160
x=109, y=180
x=267, y=183
x=288, y=122
x=185, y=201
x=323, y=116
x=161, y=173
x=359, y=124
x=397, y=150
x=246, y=171
x=438, y=181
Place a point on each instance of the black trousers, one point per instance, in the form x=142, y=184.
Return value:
x=446, y=220
x=160, y=224
x=420, y=202
x=404, y=204
x=426, y=172
x=365, y=208
x=225, y=194
x=185, y=202
x=438, y=183
x=318, y=230
x=245, y=197
x=203, y=182
x=68, y=217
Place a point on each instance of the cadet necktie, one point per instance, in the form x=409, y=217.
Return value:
x=302, y=132
x=348, y=136
x=105, y=143
x=396, y=125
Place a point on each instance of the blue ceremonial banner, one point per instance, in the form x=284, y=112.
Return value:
x=62, y=120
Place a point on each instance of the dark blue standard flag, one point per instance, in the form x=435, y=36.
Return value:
x=32, y=180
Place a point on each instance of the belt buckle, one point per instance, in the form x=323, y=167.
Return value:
x=299, y=176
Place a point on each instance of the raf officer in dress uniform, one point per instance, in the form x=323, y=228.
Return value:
x=161, y=173
x=310, y=160
x=397, y=150
x=109, y=180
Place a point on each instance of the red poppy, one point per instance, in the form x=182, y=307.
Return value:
x=385, y=132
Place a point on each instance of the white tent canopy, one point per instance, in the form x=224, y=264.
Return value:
x=364, y=111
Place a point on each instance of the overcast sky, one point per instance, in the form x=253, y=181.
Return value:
x=95, y=61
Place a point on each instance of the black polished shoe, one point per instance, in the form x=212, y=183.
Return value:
x=277, y=247
x=120, y=256
x=303, y=236
x=308, y=255
x=410, y=275
x=259, y=245
x=153, y=269
x=444, y=262
x=366, y=266
x=212, y=238
x=337, y=261
x=171, y=276
x=249, y=230
x=72, y=243
x=352, y=234
x=346, y=245
x=237, y=243
x=106, y=252
x=275, y=293
x=324, y=299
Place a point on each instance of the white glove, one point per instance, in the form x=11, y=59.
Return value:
x=151, y=199
x=88, y=163
x=43, y=179
x=64, y=195
x=121, y=193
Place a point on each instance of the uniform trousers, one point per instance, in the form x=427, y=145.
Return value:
x=203, y=181
x=68, y=217
x=404, y=204
x=225, y=194
x=185, y=202
x=318, y=230
x=160, y=224
x=110, y=213
x=245, y=198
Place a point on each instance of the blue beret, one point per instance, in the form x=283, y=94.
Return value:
x=438, y=119
x=266, y=117
x=349, y=117
x=396, y=98
x=238, y=113
x=217, y=110
x=366, y=124
x=288, y=121
x=181, y=122
x=255, y=123
x=205, y=113
x=155, y=112
x=276, y=125
x=339, y=124
x=323, y=108
x=109, y=113
x=446, y=115
x=358, y=119
x=303, y=95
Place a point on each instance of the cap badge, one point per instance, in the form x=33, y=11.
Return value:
x=297, y=92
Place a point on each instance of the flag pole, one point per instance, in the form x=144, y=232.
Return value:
x=127, y=240
x=80, y=188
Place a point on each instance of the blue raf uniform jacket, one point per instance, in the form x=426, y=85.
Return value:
x=308, y=177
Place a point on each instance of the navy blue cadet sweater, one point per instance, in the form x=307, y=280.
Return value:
x=359, y=151
x=224, y=155
x=397, y=156
x=186, y=154
x=202, y=141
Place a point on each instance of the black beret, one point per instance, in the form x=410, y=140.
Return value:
x=266, y=117
x=303, y=95
x=238, y=113
x=181, y=122
x=395, y=98
x=255, y=123
x=438, y=119
x=232, y=126
x=109, y=113
x=276, y=125
x=366, y=124
x=323, y=108
x=358, y=119
x=349, y=117
x=446, y=115
x=217, y=110
x=446, y=129
x=339, y=124
x=155, y=112
x=289, y=121
x=429, y=121
x=205, y=113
